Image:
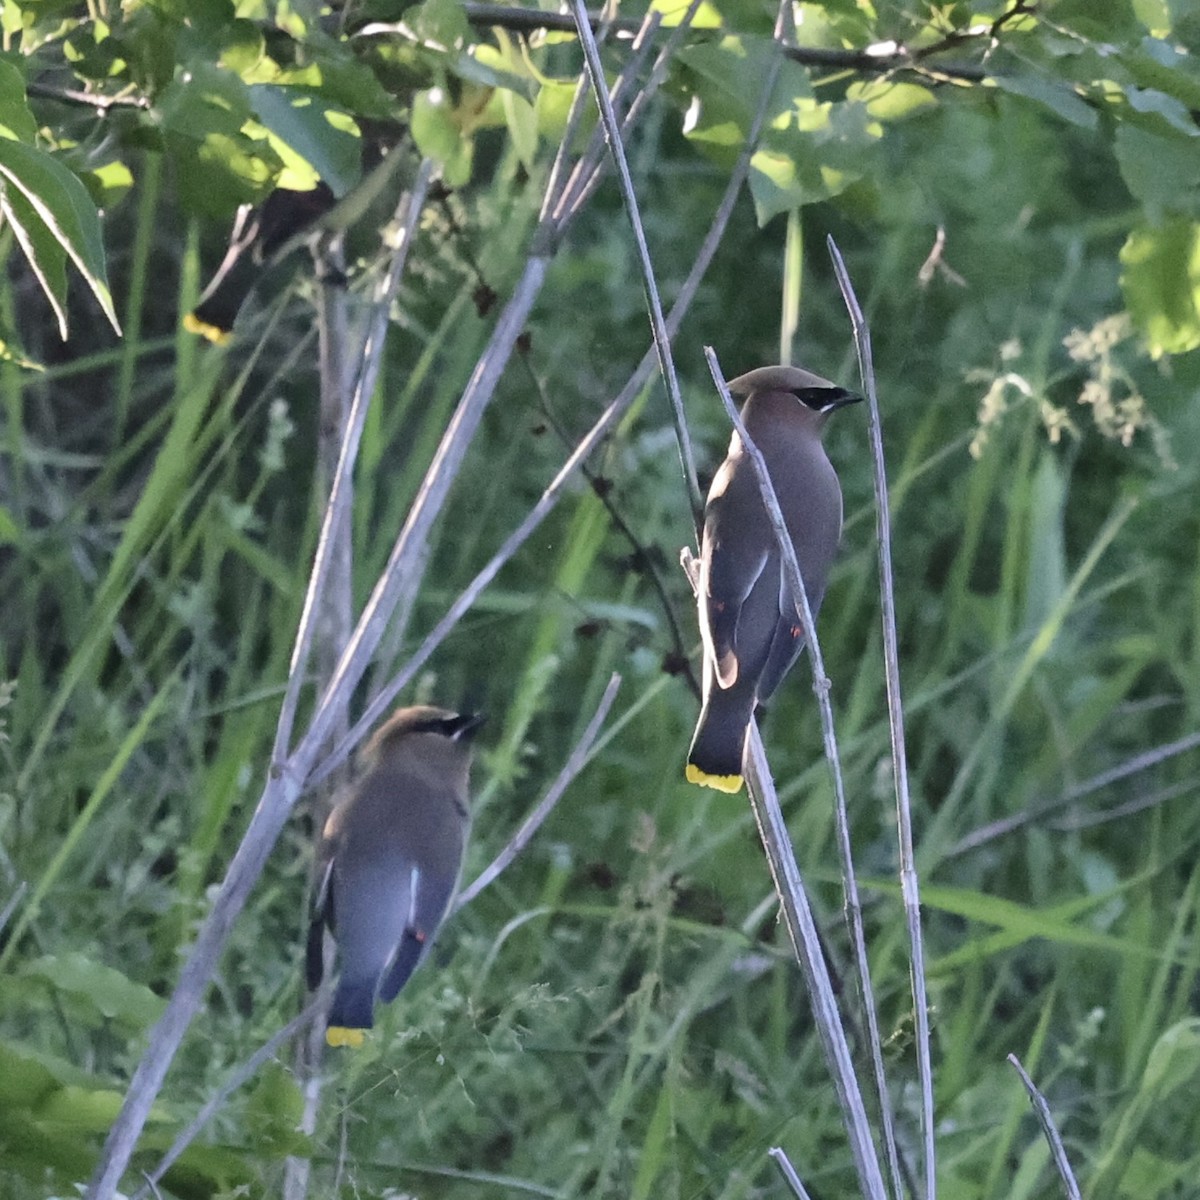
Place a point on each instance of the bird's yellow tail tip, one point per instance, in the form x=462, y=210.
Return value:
x=338, y=1035
x=722, y=783
x=214, y=333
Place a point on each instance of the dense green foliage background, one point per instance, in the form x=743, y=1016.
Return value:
x=620, y=1014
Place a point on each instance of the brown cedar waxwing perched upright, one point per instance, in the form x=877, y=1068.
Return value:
x=257, y=234
x=748, y=624
x=389, y=861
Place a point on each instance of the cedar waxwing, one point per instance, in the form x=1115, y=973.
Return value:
x=257, y=234
x=748, y=624
x=389, y=861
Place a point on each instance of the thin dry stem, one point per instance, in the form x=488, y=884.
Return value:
x=1131, y=766
x=791, y=1178
x=662, y=340
x=341, y=491
x=242, y=1075
x=575, y=763
x=1048, y=1128
x=806, y=941
x=592, y=169
x=589, y=167
x=909, y=881
x=553, y=492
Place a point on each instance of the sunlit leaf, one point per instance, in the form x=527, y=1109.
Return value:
x=64, y=212
x=308, y=127
x=1161, y=282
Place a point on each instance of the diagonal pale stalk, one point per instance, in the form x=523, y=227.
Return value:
x=793, y=1180
x=1046, y=1120
x=341, y=490
x=1131, y=766
x=658, y=325
x=909, y=881
x=335, y=618
x=589, y=166
x=243, y=1074
x=532, y=823
x=782, y=858
x=589, y=174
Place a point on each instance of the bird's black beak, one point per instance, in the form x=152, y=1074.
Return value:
x=840, y=399
x=462, y=728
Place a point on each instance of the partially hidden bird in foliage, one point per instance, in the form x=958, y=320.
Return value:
x=749, y=626
x=389, y=860
x=258, y=232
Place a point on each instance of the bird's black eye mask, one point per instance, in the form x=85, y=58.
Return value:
x=825, y=399
x=455, y=728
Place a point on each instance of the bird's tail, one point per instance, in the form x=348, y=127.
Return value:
x=352, y=1011
x=715, y=759
x=214, y=315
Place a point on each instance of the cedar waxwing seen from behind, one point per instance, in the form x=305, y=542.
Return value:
x=258, y=232
x=749, y=626
x=389, y=861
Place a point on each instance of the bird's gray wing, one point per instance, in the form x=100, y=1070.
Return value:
x=429, y=896
x=786, y=642
x=732, y=557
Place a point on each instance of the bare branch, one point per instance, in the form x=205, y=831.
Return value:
x=341, y=491
x=909, y=881
x=787, y=1171
x=1048, y=1128
x=662, y=340
x=532, y=823
x=243, y=1074
x=806, y=941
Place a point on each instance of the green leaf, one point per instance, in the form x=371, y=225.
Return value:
x=1162, y=172
x=24, y=1082
x=1103, y=20
x=486, y=65
x=274, y=1111
x=46, y=258
x=1059, y=98
x=819, y=152
x=1161, y=282
x=721, y=71
x=67, y=213
x=1174, y=1061
x=553, y=106
x=16, y=120
x=890, y=100
x=437, y=134
x=1157, y=64
x=442, y=24
x=673, y=11
x=205, y=100
x=522, y=126
x=87, y=1109
x=113, y=995
x=308, y=126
